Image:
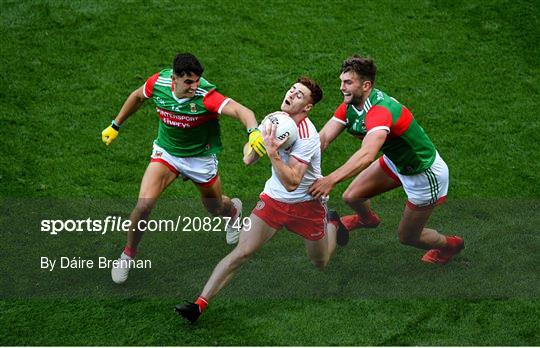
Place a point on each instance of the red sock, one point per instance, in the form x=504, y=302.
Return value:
x=451, y=242
x=368, y=217
x=202, y=302
x=130, y=252
x=372, y=216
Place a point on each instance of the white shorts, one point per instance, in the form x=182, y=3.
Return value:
x=425, y=189
x=201, y=170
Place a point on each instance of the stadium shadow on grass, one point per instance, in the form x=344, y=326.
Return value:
x=179, y=254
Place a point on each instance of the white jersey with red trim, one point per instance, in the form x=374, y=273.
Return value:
x=306, y=149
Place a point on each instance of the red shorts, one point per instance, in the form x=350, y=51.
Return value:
x=307, y=219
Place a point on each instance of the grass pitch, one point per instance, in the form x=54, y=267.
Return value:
x=469, y=72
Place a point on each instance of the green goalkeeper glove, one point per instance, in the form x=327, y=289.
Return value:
x=110, y=133
x=256, y=141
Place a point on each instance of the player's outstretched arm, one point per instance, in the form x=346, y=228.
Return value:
x=240, y=112
x=247, y=117
x=250, y=157
x=131, y=105
x=359, y=161
x=329, y=132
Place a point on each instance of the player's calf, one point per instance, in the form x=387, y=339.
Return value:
x=342, y=233
x=239, y=256
x=143, y=208
x=235, y=224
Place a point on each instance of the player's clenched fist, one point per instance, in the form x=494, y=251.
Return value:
x=110, y=133
x=256, y=142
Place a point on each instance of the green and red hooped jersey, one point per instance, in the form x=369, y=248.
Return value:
x=188, y=127
x=407, y=144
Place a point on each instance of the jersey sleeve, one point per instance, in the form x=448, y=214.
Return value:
x=340, y=115
x=304, y=149
x=149, y=85
x=214, y=101
x=378, y=117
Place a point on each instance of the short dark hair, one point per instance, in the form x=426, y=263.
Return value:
x=364, y=67
x=316, y=91
x=187, y=63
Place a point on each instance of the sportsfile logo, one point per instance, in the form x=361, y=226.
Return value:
x=110, y=223
x=119, y=224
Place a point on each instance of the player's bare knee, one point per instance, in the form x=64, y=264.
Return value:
x=242, y=254
x=350, y=198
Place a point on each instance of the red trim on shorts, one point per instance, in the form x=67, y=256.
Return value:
x=413, y=206
x=387, y=170
x=208, y=183
x=167, y=164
